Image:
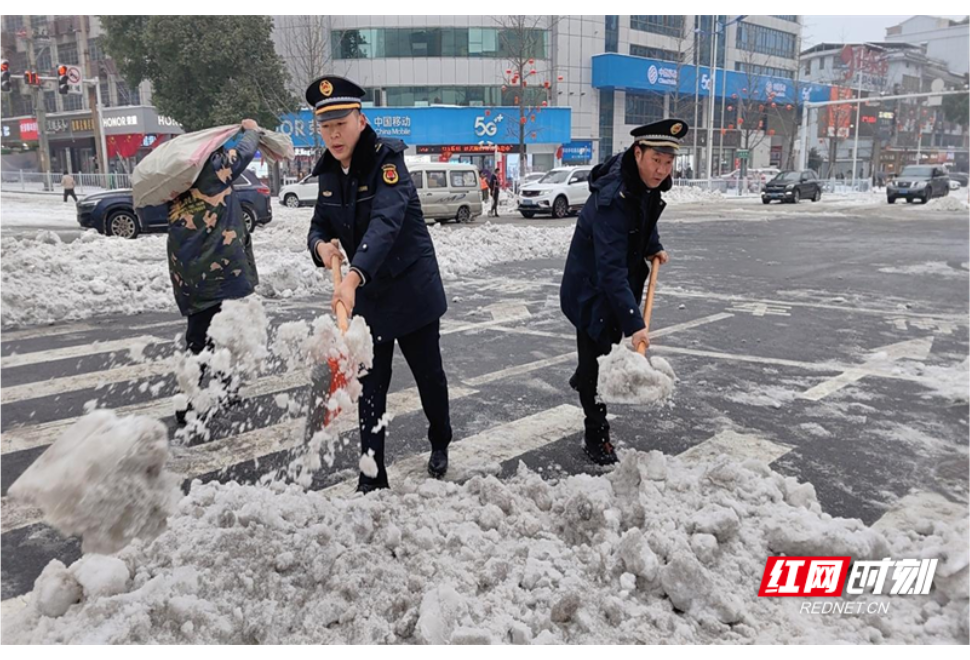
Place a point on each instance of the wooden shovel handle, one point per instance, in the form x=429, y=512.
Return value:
x=648, y=308
x=343, y=317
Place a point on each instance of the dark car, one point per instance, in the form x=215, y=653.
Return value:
x=793, y=186
x=922, y=182
x=113, y=214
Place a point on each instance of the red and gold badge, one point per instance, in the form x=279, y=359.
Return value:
x=390, y=174
x=326, y=88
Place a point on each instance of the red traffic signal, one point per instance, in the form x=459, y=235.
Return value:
x=63, y=83
x=32, y=78
x=5, y=81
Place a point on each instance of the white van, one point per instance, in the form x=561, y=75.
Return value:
x=448, y=191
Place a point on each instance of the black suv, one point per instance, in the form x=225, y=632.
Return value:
x=922, y=182
x=793, y=186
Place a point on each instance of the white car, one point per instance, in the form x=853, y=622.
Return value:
x=531, y=178
x=301, y=193
x=558, y=193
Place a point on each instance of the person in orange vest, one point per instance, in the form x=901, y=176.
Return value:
x=483, y=184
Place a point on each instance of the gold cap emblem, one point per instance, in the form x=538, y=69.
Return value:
x=676, y=128
x=326, y=88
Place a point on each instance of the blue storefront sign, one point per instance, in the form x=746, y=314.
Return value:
x=578, y=151
x=447, y=125
x=626, y=72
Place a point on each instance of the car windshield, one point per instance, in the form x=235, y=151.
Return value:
x=920, y=170
x=556, y=176
x=788, y=176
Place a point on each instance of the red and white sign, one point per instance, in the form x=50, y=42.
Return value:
x=73, y=75
x=28, y=130
x=804, y=576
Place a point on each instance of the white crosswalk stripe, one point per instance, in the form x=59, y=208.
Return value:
x=79, y=351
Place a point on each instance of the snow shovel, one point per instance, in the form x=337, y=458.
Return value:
x=327, y=378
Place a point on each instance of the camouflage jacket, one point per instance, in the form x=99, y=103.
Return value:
x=210, y=251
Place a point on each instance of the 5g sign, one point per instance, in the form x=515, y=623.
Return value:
x=487, y=128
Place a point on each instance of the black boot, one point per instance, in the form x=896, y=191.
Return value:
x=180, y=415
x=601, y=453
x=598, y=446
x=367, y=484
x=438, y=463
x=574, y=380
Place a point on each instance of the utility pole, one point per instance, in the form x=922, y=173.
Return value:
x=39, y=108
x=858, y=112
x=93, y=97
x=710, y=119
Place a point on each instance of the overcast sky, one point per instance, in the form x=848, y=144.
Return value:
x=838, y=29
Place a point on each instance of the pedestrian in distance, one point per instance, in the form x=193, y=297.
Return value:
x=67, y=182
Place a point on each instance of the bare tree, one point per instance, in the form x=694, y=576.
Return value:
x=749, y=113
x=304, y=43
x=523, y=42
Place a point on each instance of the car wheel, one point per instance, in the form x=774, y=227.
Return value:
x=560, y=208
x=925, y=198
x=891, y=200
x=766, y=201
x=528, y=215
x=122, y=224
x=796, y=197
x=292, y=201
x=249, y=218
x=464, y=214
x=818, y=195
x=909, y=200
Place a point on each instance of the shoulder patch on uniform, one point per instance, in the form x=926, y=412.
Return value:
x=390, y=174
x=326, y=193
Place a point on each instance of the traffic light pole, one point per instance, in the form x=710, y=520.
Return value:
x=99, y=125
x=94, y=99
x=39, y=108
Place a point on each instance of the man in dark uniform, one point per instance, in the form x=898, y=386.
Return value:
x=608, y=263
x=367, y=204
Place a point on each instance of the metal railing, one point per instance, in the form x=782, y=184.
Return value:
x=752, y=186
x=38, y=182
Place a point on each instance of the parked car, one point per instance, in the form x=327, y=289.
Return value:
x=448, y=191
x=558, y=193
x=302, y=193
x=922, y=182
x=959, y=177
x=533, y=177
x=792, y=186
x=113, y=214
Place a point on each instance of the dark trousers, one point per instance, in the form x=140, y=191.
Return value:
x=494, y=210
x=197, y=340
x=584, y=381
x=69, y=192
x=422, y=351
x=197, y=334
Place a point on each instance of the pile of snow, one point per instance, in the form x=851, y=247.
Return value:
x=625, y=376
x=948, y=203
x=658, y=551
x=104, y=480
x=693, y=195
x=45, y=280
x=463, y=252
x=930, y=268
x=952, y=383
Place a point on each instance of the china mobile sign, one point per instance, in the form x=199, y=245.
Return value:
x=662, y=75
x=828, y=576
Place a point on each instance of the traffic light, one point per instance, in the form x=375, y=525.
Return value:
x=5, y=80
x=63, y=84
x=32, y=78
